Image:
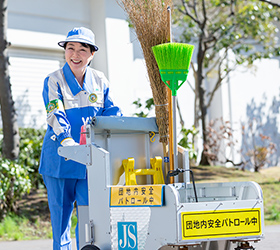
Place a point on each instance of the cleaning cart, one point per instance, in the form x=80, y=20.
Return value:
x=131, y=206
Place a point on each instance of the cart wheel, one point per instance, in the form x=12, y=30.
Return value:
x=90, y=247
x=244, y=246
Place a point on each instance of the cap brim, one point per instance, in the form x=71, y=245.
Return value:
x=62, y=43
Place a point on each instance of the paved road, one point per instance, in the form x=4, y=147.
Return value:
x=271, y=242
x=30, y=245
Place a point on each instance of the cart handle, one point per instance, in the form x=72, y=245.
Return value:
x=178, y=171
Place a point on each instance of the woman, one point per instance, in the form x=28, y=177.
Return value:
x=71, y=95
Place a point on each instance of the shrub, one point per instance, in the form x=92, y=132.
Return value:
x=14, y=182
x=19, y=176
x=187, y=141
x=273, y=213
x=31, y=141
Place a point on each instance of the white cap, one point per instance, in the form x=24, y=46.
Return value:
x=81, y=35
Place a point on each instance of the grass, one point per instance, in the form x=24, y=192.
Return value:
x=268, y=179
x=14, y=227
x=33, y=219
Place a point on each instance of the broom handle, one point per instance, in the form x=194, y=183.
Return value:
x=171, y=141
x=169, y=34
x=170, y=108
x=175, y=148
x=166, y=158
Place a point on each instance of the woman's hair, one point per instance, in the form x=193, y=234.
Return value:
x=92, y=49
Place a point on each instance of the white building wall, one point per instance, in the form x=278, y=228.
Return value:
x=48, y=16
x=34, y=28
x=119, y=48
x=27, y=75
x=255, y=94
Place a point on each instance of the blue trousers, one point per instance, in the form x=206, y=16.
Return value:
x=62, y=193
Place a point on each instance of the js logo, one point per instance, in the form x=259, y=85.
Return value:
x=127, y=236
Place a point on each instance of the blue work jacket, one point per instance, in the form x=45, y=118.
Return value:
x=66, y=104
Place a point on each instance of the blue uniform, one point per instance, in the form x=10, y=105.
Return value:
x=66, y=104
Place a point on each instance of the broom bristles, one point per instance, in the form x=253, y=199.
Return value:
x=173, y=56
x=150, y=21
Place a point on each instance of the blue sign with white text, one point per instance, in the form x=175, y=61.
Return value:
x=127, y=236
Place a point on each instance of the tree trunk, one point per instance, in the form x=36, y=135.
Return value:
x=201, y=94
x=10, y=147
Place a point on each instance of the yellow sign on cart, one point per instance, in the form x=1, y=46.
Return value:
x=220, y=224
x=136, y=196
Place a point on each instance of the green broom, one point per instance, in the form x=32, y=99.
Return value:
x=173, y=60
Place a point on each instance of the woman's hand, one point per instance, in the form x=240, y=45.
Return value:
x=69, y=142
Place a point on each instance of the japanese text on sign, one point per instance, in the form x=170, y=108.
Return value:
x=136, y=196
x=226, y=223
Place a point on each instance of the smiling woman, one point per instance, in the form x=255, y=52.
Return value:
x=79, y=50
x=78, y=56
x=72, y=94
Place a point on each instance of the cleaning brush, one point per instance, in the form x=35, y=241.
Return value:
x=173, y=60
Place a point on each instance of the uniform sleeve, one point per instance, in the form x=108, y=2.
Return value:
x=56, y=117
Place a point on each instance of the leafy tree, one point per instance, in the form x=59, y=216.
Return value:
x=8, y=113
x=227, y=33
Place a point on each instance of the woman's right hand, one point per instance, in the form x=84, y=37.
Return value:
x=69, y=142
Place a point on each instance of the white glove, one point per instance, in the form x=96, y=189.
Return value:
x=68, y=142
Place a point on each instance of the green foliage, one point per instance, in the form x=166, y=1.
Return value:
x=14, y=182
x=31, y=141
x=30, y=150
x=74, y=221
x=188, y=141
x=9, y=228
x=18, y=177
x=226, y=34
x=149, y=104
x=14, y=227
x=247, y=28
x=273, y=213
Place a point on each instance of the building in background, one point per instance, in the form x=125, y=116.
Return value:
x=35, y=27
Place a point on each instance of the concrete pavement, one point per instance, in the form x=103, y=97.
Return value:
x=271, y=242
x=30, y=244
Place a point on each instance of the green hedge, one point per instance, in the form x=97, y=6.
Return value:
x=31, y=141
x=14, y=182
x=20, y=176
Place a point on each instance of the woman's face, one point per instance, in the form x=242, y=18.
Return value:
x=78, y=57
